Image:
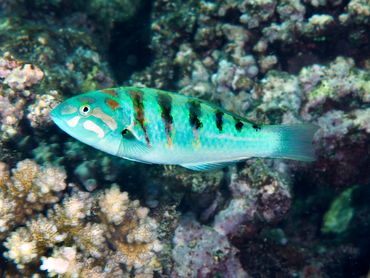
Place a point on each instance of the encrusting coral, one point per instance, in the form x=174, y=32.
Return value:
x=200, y=251
x=104, y=235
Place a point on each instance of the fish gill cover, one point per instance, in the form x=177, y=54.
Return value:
x=67, y=210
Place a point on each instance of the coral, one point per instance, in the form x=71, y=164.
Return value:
x=362, y=119
x=309, y=77
x=22, y=248
x=200, y=251
x=281, y=96
x=197, y=182
x=39, y=112
x=11, y=112
x=29, y=188
x=357, y=11
x=35, y=185
x=19, y=77
x=235, y=33
x=337, y=82
x=257, y=193
x=336, y=99
x=239, y=211
x=62, y=261
x=133, y=233
x=4, y=175
x=319, y=22
x=253, y=13
x=114, y=205
x=23, y=76
x=291, y=10
x=63, y=48
x=334, y=124
x=7, y=214
x=79, y=247
x=267, y=63
x=73, y=209
x=7, y=64
x=47, y=154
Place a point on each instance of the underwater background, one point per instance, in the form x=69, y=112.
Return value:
x=68, y=210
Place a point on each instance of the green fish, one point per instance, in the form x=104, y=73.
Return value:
x=155, y=126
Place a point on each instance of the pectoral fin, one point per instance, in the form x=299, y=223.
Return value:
x=132, y=147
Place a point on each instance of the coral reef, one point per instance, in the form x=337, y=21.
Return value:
x=124, y=236
x=274, y=62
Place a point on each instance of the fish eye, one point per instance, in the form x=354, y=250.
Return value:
x=84, y=110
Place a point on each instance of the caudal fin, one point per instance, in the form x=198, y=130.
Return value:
x=295, y=141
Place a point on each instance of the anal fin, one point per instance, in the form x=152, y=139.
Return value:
x=207, y=167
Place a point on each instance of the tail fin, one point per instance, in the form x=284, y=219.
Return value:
x=295, y=141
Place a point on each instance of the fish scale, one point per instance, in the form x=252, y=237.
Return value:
x=155, y=126
x=211, y=141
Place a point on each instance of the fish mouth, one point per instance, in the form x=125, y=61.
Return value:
x=56, y=119
x=53, y=116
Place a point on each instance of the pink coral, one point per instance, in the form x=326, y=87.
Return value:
x=7, y=65
x=11, y=113
x=23, y=76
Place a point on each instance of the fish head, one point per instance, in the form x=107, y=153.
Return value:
x=92, y=118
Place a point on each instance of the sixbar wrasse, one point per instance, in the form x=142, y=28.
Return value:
x=154, y=126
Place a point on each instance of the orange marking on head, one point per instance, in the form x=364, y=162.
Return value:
x=112, y=103
x=109, y=92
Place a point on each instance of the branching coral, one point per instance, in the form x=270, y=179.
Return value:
x=114, y=205
x=133, y=233
x=81, y=247
x=29, y=188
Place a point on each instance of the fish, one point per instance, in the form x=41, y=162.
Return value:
x=153, y=126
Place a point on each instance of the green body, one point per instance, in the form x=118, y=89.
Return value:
x=154, y=126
